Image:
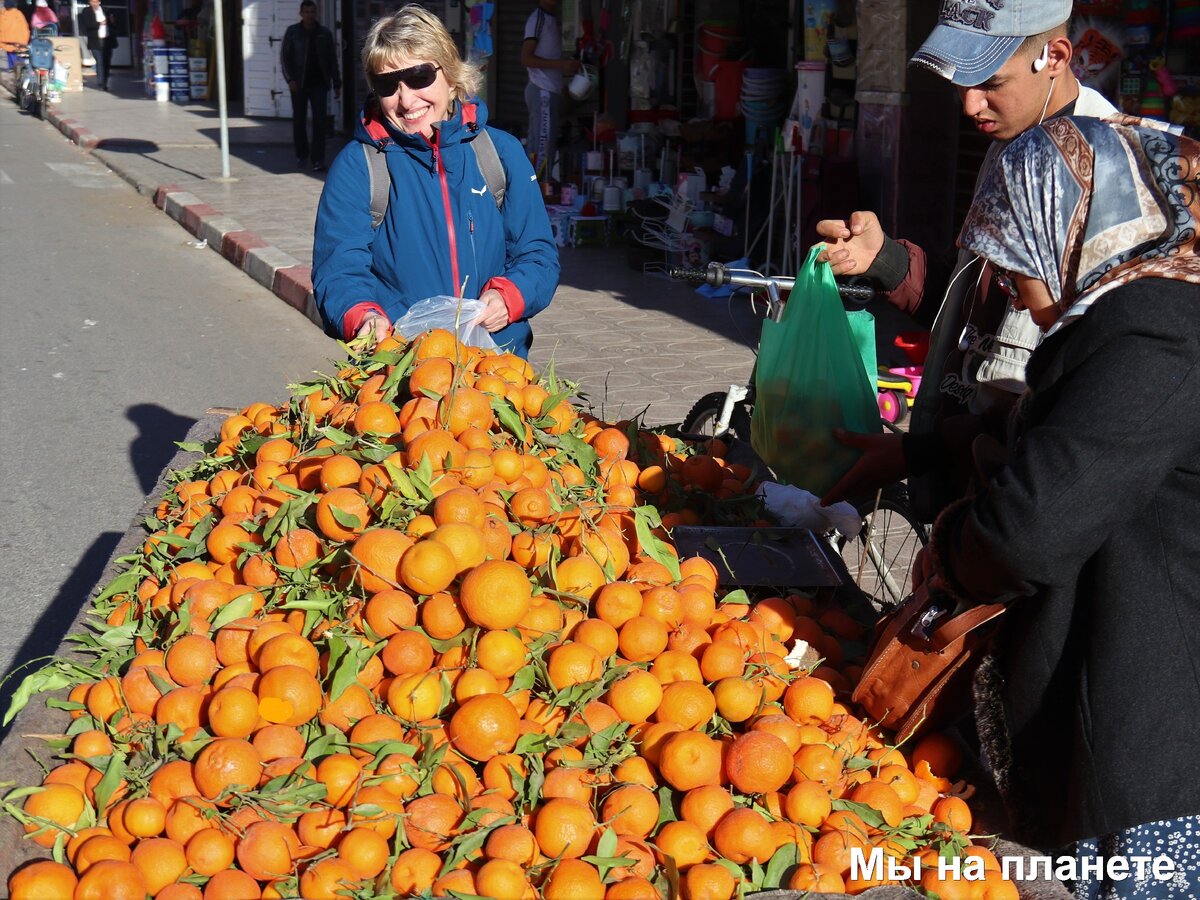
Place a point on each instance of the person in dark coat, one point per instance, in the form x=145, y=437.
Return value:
x=1088, y=709
x=99, y=30
x=310, y=66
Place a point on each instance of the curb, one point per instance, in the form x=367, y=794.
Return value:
x=279, y=272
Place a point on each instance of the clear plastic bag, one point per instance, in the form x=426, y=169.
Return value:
x=457, y=315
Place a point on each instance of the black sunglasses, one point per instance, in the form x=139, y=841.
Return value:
x=416, y=77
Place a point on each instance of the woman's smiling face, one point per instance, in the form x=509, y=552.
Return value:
x=414, y=111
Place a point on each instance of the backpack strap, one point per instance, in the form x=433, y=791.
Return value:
x=490, y=166
x=380, y=180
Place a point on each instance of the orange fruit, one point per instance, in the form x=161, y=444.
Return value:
x=225, y=763
x=414, y=871
x=433, y=822
x=428, y=567
x=407, y=653
x=60, y=805
x=512, y=842
x=342, y=514
x=705, y=805
x=484, y=726
x=416, y=697
x=953, y=812
x=288, y=695
x=742, y=835
x=161, y=861
x=631, y=810
x=687, y=703
x=209, y=851
x=233, y=712
x=268, y=850
x=709, y=881
x=684, y=842
x=502, y=879
x=376, y=417
x=573, y=663
x=390, y=610
x=111, y=879
x=758, y=763
x=326, y=878
x=690, y=759
x=144, y=817
x=808, y=700
x=635, y=696
x=229, y=884
x=617, y=602
x=501, y=653
x=496, y=594
x=580, y=576
x=442, y=616
x=563, y=828
x=377, y=553
x=817, y=879
x=191, y=660
x=641, y=638
x=941, y=753
x=41, y=879
x=465, y=541
x=573, y=879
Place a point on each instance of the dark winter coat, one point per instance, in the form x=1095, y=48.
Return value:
x=295, y=48
x=91, y=29
x=1090, y=710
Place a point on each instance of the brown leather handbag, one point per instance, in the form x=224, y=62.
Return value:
x=918, y=675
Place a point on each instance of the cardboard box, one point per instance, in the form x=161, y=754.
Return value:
x=66, y=51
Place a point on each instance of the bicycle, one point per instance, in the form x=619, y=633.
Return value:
x=880, y=557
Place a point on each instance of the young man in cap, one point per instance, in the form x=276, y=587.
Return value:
x=1011, y=65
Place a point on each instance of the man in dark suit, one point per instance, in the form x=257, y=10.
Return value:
x=310, y=66
x=99, y=29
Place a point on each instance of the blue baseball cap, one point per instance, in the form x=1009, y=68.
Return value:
x=974, y=38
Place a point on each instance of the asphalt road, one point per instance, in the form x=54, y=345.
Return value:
x=116, y=336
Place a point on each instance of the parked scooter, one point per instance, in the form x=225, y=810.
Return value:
x=35, y=72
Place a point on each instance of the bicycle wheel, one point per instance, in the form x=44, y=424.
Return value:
x=880, y=559
x=706, y=412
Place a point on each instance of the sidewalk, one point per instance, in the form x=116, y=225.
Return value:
x=630, y=340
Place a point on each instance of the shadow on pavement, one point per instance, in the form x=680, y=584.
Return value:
x=56, y=620
x=158, y=431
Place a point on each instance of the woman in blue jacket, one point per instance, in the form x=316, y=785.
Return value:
x=443, y=232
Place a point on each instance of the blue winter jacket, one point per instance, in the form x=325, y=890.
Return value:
x=442, y=228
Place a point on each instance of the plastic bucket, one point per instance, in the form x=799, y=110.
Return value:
x=714, y=41
x=582, y=82
x=727, y=77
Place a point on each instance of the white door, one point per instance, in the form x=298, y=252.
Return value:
x=263, y=25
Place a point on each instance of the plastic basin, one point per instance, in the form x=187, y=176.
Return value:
x=915, y=345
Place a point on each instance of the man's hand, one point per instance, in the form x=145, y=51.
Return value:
x=854, y=246
x=375, y=326
x=571, y=66
x=337, y=93
x=881, y=464
x=495, y=316
x=292, y=85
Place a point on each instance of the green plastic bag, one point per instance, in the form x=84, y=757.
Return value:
x=810, y=379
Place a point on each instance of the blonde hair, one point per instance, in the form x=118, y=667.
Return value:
x=413, y=32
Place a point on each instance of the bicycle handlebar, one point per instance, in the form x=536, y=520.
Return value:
x=717, y=275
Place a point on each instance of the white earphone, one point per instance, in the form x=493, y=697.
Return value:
x=1041, y=61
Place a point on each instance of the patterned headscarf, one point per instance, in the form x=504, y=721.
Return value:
x=1086, y=204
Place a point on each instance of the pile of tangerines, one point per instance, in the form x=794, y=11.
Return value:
x=422, y=632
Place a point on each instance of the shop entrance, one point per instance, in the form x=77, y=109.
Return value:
x=263, y=25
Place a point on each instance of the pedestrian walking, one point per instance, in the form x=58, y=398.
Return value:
x=100, y=33
x=14, y=31
x=1088, y=710
x=541, y=55
x=44, y=20
x=1012, y=68
x=444, y=231
x=310, y=67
